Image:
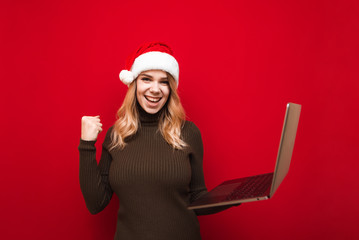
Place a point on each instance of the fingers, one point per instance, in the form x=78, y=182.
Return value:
x=92, y=117
x=99, y=127
x=91, y=126
x=95, y=119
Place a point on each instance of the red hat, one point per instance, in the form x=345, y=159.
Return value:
x=150, y=56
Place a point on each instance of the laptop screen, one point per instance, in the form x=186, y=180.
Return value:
x=286, y=144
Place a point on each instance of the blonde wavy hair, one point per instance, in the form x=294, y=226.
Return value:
x=171, y=119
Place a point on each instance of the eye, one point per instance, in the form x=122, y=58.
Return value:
x=164, y=82
x=145, y=79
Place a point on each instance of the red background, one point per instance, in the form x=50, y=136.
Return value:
x=240, y=62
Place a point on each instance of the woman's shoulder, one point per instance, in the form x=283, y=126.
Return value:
x=192, y=136
x=109, y=132
x=108, y=137
x=190, y=130
x=190, y=126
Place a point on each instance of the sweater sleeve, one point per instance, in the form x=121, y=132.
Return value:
x=197, y=185
x=94, y=179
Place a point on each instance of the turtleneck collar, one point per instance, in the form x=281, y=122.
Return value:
x=146, y=118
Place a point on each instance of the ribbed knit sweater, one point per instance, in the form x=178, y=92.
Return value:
x=154, y=182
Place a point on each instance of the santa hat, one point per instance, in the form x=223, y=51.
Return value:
x=150, y=56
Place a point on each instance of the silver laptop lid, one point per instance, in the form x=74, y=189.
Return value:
x=286, y=144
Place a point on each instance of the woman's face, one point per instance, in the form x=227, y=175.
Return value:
x=152, y=90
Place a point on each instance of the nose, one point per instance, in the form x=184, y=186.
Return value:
x=155, y=87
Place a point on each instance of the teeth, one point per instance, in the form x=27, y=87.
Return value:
x=151, y=99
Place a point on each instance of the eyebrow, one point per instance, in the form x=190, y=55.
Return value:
x=146, y=75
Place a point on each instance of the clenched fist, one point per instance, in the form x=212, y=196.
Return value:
x=90, y=127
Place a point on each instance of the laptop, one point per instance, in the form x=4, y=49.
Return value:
x=259, y=187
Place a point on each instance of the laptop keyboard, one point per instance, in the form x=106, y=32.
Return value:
x=255, y=186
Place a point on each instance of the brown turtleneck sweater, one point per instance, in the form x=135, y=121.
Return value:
x=154, y=182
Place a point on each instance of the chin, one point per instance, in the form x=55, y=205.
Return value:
x=151, y=111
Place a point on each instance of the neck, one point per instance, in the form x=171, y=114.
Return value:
x=148, y=118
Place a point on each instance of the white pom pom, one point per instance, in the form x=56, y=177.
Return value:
x=126, y=77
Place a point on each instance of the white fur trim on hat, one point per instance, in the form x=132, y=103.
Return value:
x=126, y=77
x=156, y=61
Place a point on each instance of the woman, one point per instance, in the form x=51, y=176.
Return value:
x=151, y=157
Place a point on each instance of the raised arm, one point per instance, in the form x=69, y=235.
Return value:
x=94, y=181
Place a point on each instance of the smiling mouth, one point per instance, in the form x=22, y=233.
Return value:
x=153, y=99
